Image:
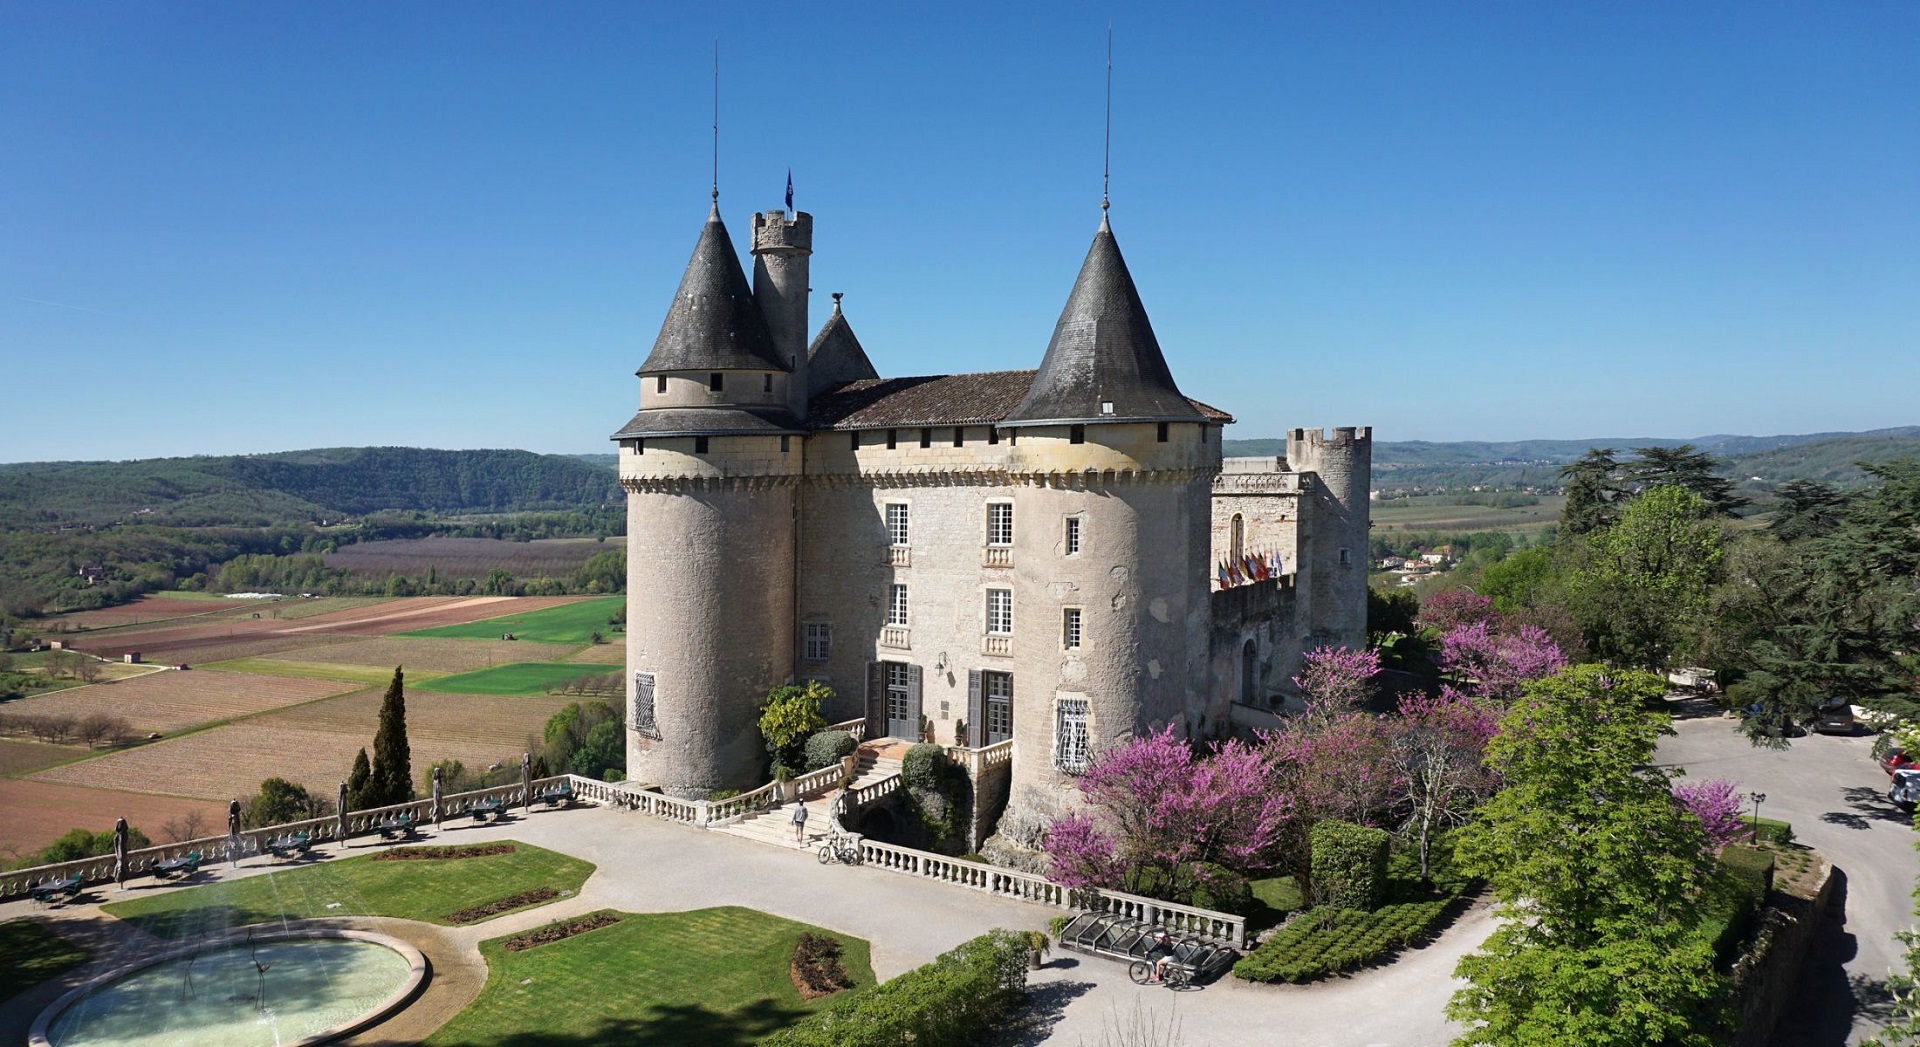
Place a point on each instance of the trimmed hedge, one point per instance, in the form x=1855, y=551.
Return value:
x=952, y=1002
x=1752, y=866
x=1349, y=865
x=1325, y=940
x=1770, y=830
x=921, y=767
x=829, y=747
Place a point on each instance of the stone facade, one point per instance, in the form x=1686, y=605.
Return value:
x=1059, y=561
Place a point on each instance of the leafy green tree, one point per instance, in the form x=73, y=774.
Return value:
x=1639, y=588
x=789, y=716
x=280, y=801
x=1520, y=581
x=586, y=738
x=1688, y=468
x=79, y=843
x=1592, y=485
x=392, y=779
x=1598, y=874
x=358, y=781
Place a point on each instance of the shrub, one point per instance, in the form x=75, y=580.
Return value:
x=829, y=747
x=1220, y=889
x=1727, y=907
x=789, y=716
x=1769, y=830
x=1751, y=866
x=920, y=768
x=1349, y=865
x=79, y=843
x=1325, y=940
x=816, y=967
x=936, y=794
x=952, y=1002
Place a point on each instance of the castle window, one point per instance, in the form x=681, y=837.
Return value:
x=959, y=436
x=639, y=447
x=766, y=383
x=1070, y=735
x=995, y=711
x=926, y=438
x=1346, y=557
x=1162, y=435
x=1106, y=407
x=1073, y=536
x=641, y=715
x=897, y=523
x=1203, y=434
x=896, y=604
x=1236, y=537
x=891, y=435
x=993, y=435
x=999, y=612
x=1077, y=434
x=855, y=442
x=999, y=523
x=819, y=644
x=699, y=445
x=660, y=384
x=1070, y=629
x=716, y=381
x=784, y=446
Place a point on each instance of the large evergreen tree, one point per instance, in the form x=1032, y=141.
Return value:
x=1592, y=485
x=1688, y=468
x=392, y=780
x=358, y=781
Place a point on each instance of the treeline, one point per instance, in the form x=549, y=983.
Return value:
x=308, y=573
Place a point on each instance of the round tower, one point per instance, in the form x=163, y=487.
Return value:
x=1335, y=512
x=711, y=464
x=782, y=249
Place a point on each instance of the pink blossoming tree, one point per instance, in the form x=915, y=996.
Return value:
x=1440, y=744
x=1443, y=612
x=1716, y=803
x=1336, y=678
x=1494, y=663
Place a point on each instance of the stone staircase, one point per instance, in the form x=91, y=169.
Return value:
x=872, y=766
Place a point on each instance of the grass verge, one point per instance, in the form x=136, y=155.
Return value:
x=369, y=675
x=572, y=623
x=707, y=978
x=356, y=886
x=31, y=954
x=517, y=680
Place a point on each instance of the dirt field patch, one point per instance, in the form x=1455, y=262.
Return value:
x=494, y=727
x=153, y=607
x=445, y=656
x=469, y=556
x=173, y=701
x=614, y=653
x=39, y=813
x=17, y=757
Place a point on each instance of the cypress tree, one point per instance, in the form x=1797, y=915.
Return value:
x=392, y=759
x=357, y=782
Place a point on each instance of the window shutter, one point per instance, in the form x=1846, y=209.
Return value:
x=976, y=710
x=876, y=699
x=913, y=693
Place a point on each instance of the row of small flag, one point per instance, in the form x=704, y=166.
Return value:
x=1253, y=567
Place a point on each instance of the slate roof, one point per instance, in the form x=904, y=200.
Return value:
x=1103, y=351
x=714, y=324
x=835, y=357
x=658, y=422
x=941, y=399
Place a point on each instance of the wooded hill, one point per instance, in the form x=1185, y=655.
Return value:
x=296, y=486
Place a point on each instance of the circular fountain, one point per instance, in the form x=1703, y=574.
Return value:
x=283, y=988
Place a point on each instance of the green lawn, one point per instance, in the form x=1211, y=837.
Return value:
x=1274, y=898
x=567, y=623
x=319, y=670
x=360, y=886
x=30, y=954
x=516, y=679
x=708, y=978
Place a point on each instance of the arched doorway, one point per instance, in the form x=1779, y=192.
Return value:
x=1249, y=671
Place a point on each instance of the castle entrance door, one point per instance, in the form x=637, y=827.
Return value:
x=903, y=700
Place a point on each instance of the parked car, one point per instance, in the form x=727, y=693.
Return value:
x=1895, y=759
x=1778, y=723
x=1835, y=718
x=1905, y=790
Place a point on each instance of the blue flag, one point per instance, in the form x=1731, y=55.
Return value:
x=789, y=188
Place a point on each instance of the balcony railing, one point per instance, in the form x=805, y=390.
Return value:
x=998, y=645
x=895, y=636
x=997, y=556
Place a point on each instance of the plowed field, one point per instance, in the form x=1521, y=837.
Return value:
x=39, y=813
x=178, y=642
x=173, y=701
x=446, y=656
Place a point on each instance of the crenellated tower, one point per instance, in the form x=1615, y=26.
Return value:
x=1334, y=524
x=782, y=249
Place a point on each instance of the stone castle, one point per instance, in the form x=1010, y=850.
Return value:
x=1023, y=557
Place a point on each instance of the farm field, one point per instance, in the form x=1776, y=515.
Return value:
x=613, y=652
x=182, y=641
x=469, y=556
x=571, y=623
x=439, y=656
x=173, y=701
x=1431, y=514
x=519, y=679
x=364, y=675
x=39, y=812
x=477, y=730
x=22, y=757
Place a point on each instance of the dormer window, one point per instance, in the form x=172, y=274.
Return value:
x=716, y=381
x=1106, y=407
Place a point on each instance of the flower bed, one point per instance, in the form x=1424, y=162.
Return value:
x=554, y=932
x=503, y=905
x=479, y=850
x=816, y=968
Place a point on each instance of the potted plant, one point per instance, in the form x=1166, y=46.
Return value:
x=783, y=788
x=1038, y=945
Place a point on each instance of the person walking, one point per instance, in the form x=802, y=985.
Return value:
x=799, y=824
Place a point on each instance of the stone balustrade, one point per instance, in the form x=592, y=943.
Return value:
x=977, y=761
x=857, y=728
x=860, y=797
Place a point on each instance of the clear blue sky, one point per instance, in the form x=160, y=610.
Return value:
x=251, y=227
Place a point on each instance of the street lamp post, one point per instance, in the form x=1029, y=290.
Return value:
x=1758, y=799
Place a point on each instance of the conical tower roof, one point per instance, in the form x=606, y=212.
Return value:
x=714, y=324
x=1103, y=352
x=836, y=357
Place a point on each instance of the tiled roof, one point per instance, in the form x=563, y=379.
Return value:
x=658, y=422
x=938, y=399
x=714, y=323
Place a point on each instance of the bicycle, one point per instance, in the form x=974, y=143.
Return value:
x=1174, y=976
x=840, y=848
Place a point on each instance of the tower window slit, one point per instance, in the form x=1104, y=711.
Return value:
x=716, y=381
